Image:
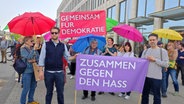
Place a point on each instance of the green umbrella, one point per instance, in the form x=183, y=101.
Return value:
x=110, y=23
x=15, y=36
x=6, y=27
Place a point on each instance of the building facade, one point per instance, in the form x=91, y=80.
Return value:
x=145, y=15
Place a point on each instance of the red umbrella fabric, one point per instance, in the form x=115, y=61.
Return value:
x=72, y=41
x=31, y=23
x=128, y=32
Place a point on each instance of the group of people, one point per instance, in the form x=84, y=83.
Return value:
x=49, y=57
x=163, y=62
x=176, y=62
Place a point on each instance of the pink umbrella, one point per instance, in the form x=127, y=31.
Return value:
x=47, y=36
x=128, y=32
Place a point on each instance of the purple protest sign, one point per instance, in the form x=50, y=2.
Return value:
x=110, y=74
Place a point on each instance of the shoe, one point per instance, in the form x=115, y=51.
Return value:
x=71, y=77
x=68, y=73
x=93, y=98
x=164, y=95
x=176, y=93
x=1, y=62
x=121, y=95
x=4, y=62
x=84, y=97
x=16, y=79
x=100, y=93
x=112, y=93
x=127, y=97
x=55, y=89
x=33, y=102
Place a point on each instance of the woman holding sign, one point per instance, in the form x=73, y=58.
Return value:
x=128, y=53
x=109, y=50
x=91, y=50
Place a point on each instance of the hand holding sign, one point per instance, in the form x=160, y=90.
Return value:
x=109, y=74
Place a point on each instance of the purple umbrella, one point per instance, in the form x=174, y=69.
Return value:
x=128, y=32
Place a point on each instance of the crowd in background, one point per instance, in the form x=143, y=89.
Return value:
x=174, y=52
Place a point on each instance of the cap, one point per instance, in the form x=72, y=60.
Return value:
x=159, y=43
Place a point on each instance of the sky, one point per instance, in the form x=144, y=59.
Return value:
x=12, y=8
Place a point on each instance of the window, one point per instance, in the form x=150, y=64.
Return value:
x=150, y=7
x=141, y=7
x=146, y=7
x=122, y=11
x=171, y=23
x=181, y=2
x=88, y=5
x=111, y=12
x=171, y=3
x=93, y=4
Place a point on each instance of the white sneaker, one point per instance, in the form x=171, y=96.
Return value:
x=71, y=77
x=54, y=88
x=127, y=97
x=16, y=79
x=121, y=95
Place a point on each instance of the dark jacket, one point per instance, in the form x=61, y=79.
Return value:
x=54, y=55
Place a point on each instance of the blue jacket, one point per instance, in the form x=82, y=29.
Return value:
x=26, y=55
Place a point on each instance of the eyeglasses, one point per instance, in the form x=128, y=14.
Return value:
x=54, y=33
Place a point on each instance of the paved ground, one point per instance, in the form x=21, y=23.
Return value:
x=10, y=92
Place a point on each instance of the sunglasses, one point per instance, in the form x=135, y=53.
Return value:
x=54, y=33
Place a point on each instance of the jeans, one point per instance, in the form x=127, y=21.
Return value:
x=172, y=72
x=164, y=81
x=56, y=79
x=155, y=85
x=29, y=85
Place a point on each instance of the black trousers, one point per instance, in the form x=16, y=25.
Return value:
x=85, y=92
x=180, y=68
x=73, y=68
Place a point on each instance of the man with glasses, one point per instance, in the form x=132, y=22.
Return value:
x=158, y=58
x=51, y=56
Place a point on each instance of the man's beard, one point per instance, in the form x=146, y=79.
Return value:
x=152, y=44
x=55, y=38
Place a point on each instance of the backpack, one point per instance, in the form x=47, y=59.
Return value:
x=19, y=65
